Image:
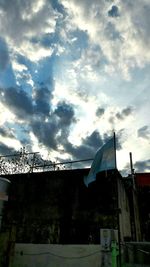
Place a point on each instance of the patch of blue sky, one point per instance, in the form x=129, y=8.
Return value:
x=57, y=6
x=113, y=87
x=140, y=86
x=34, y=70
x=23, y=77
x=59, y=66
x=7, y=77
x=31, y=66
x=23, y=60
x=79, y=41
x=126, y=92
x=46, y=40
x=21, y=133
x=74, y=46
x=140, y=75
x=44, y=72
x=82, y=38
x=24, y=82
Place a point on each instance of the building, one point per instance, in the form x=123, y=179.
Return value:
x=56, y=207
x=142, y=181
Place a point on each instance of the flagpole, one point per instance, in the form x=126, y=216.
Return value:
x=115, y=150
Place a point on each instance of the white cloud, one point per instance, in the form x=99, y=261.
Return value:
x=18, y=67
x=45, y=153
x=130, y=49
x=5, y=115
x=34, y=52
x=12, y=143
x=22, y=21
x=35, y=7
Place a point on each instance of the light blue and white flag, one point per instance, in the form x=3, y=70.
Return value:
x=105, y=159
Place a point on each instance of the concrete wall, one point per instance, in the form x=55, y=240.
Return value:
x=124, y=216
x=44, y=255
x=7, y=245
x=136, y=217
x=136, y=254
x=4, y=238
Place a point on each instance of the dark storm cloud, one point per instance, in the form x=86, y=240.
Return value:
x=18, y=101
x=113, y=12
x=6, y=132
x=91, y=144
x=50, y=130
x=144, y=132
x=124, y=113
x=64, y=113
x=80, y=152
x=118, y=138
x=55, y=129
x=94, y=140
x=45, y=132
x=42, y=99
x=4, y=55
x=5, y=150
x=100, y=112
x=22, y=104
x=142, y=166
x=65, y=117
x=87, y=149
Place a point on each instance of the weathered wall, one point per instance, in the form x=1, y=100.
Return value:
x=37, y=255
x=57, y=208
x=4, y=238
x=144, y=209
x=136, y=254
x=124, y=215
x=7, y=246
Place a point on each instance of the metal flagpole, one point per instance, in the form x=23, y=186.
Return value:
x=115, y=150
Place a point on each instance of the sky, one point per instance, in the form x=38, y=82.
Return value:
x=72, y=73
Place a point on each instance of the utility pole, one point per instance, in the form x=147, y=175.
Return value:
x=132, y=170
x=133, y=199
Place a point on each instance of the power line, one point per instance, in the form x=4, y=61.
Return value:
x=56, y=255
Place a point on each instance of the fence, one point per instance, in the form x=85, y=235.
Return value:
x=28, y=162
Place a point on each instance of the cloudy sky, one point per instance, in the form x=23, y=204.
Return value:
x=73, y=72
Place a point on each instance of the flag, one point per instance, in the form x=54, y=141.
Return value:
x=105, y=159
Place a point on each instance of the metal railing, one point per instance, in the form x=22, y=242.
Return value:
x=28, y=162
